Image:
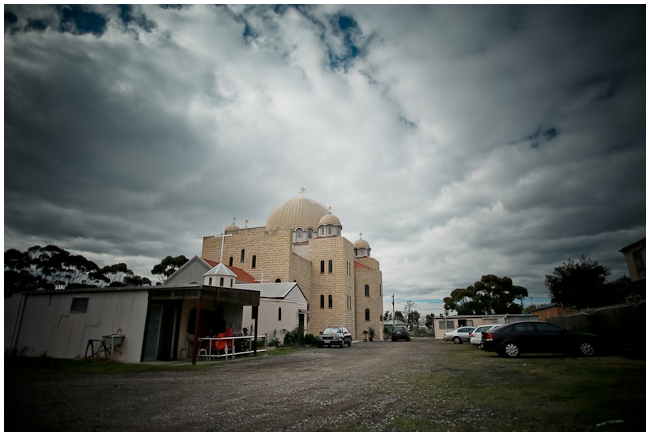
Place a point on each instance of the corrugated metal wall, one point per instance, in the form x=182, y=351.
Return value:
x=50, y=328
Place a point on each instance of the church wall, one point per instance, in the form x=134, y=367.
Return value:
x=272, y=250
x=339, y=284
x=300, y=271
x=371, y=276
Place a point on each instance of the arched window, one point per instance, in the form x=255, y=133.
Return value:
x=230, y=261
x=210, y=281
x=322, y=301
x=278, y=281
x=299, y=233
x=329, y=266
x=221, y=282
x=329, y=230
x=254, y=262
x=380, y=318
x=309, y=234
x=367, y=314
x=322, y=266
x=329, y=302
x=231, y=283
x=279, y=314
x=380, y=291
x=243, y=256
x=367, y=289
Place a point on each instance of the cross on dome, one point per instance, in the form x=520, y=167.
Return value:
x=302, y=191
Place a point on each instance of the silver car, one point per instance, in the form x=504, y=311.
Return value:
x=476, y=335
x=459, y=335
x=334, y=336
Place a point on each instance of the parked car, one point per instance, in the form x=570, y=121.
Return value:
x=400, y=332
x=509, y=340
x=334, y=336
x=459, y=335
x=476, y=335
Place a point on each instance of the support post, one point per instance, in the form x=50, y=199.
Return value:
x=197, y=323
x=255, y=313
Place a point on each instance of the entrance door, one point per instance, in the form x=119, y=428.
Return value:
x=151, y=340
x=161, y=337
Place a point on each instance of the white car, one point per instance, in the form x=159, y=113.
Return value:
x=476, y=336
x=460, y=335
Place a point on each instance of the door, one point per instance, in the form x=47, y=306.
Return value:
x=152, y=336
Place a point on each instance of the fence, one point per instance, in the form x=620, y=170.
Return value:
x=622, y=326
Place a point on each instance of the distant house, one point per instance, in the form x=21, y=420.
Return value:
x=550, y=311
x=635, y=259
x=443, y=324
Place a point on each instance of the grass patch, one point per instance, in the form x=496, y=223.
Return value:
x=470, y=390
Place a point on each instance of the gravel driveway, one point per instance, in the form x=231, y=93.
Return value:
x=310, y=390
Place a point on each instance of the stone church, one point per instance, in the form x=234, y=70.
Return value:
x=301, y=242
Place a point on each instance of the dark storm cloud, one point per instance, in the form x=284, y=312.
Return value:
x=460, y=140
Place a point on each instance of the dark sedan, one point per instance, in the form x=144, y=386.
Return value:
x=510, y=340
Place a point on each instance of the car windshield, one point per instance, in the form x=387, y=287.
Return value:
x=330, y=330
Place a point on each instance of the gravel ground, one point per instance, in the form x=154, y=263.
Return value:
x=358, y=387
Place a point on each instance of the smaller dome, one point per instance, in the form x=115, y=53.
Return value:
x=330, y=219
x=232, y=226
x=361, y=243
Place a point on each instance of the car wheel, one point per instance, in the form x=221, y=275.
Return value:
x=458, y=340
x=343, y=343
x=586, y=349
x=393, y=339
x=408, y=339
x=510, y=350
x=350, y=343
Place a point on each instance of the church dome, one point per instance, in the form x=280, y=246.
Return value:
x=361, y=243
x=298, y=212
x=330, y=219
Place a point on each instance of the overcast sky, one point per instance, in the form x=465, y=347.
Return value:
x=460, y=140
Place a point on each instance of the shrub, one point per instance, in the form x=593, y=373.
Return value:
x=294, y=338
x=310, y=339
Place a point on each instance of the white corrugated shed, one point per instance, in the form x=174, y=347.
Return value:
x=51, y=327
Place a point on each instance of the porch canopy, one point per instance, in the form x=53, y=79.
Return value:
x=204, y=292
x=200, y=293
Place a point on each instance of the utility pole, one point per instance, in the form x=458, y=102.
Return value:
x=393, y=310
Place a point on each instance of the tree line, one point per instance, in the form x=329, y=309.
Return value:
x=579, y=284
x=52, y=268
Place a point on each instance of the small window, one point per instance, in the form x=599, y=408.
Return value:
x=322, y=301
x=367, y=290
x=254, y=262
x=278, y=281
x=329, y=230
x=322, y=266
x=279, y=314
x=210, y=281
x=299, y=233
x=329, y=302
x=441, y=325
x=450, y=325
x=243, y=256
x=309, y=234
x=230, y=261
x=221, y=282
x=231, y=283
x=329, y=266
x=367, y=314
x=79, y=305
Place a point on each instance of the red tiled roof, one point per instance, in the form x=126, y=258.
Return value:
x=360, y=265
x=242, y=276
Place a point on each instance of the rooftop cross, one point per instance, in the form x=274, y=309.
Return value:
x=223, y=237
x=302, y=191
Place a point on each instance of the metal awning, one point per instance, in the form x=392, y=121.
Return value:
x=208, y=293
